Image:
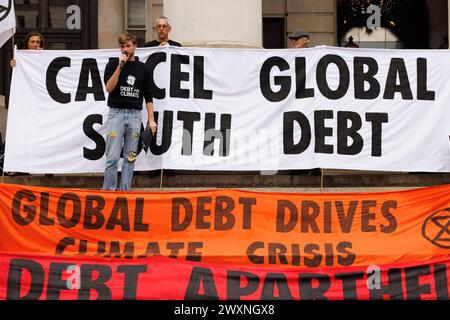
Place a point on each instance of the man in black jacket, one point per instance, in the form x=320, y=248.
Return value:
x=128, y=83
x=162, y=28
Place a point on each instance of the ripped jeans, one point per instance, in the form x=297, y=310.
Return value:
x=123, y=130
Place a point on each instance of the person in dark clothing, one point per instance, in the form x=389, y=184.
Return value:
x=162, y=28
x=128, y=83
x=351, y=43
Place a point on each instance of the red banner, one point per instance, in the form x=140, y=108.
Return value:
x=83, y=278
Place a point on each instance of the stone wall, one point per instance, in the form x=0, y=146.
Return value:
x=111, y=21
x=316, y=17
x=216, y=23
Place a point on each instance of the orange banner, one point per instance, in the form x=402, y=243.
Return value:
x=230, y=226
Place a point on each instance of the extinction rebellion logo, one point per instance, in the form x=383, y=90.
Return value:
x=436, y=228
x=5, y=9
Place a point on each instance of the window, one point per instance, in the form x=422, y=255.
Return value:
x=136, y=19
x=60, y=21
x=136, y=14
x=65, y=24
x=27, y=13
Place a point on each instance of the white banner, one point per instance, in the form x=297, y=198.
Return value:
x=7, y=20
x=262, y=109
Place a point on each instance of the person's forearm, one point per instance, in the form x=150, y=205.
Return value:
x=150, y=112
x=112, y=82
x=151, y=120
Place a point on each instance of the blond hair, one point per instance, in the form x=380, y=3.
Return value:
x=125, y=37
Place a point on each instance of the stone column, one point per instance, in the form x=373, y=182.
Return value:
x=215, y=23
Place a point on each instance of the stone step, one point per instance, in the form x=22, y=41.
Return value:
x=285, y=181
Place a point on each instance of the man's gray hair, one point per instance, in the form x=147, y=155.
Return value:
x=165, y=18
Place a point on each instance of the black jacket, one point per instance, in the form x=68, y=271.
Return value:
x=156, y=43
